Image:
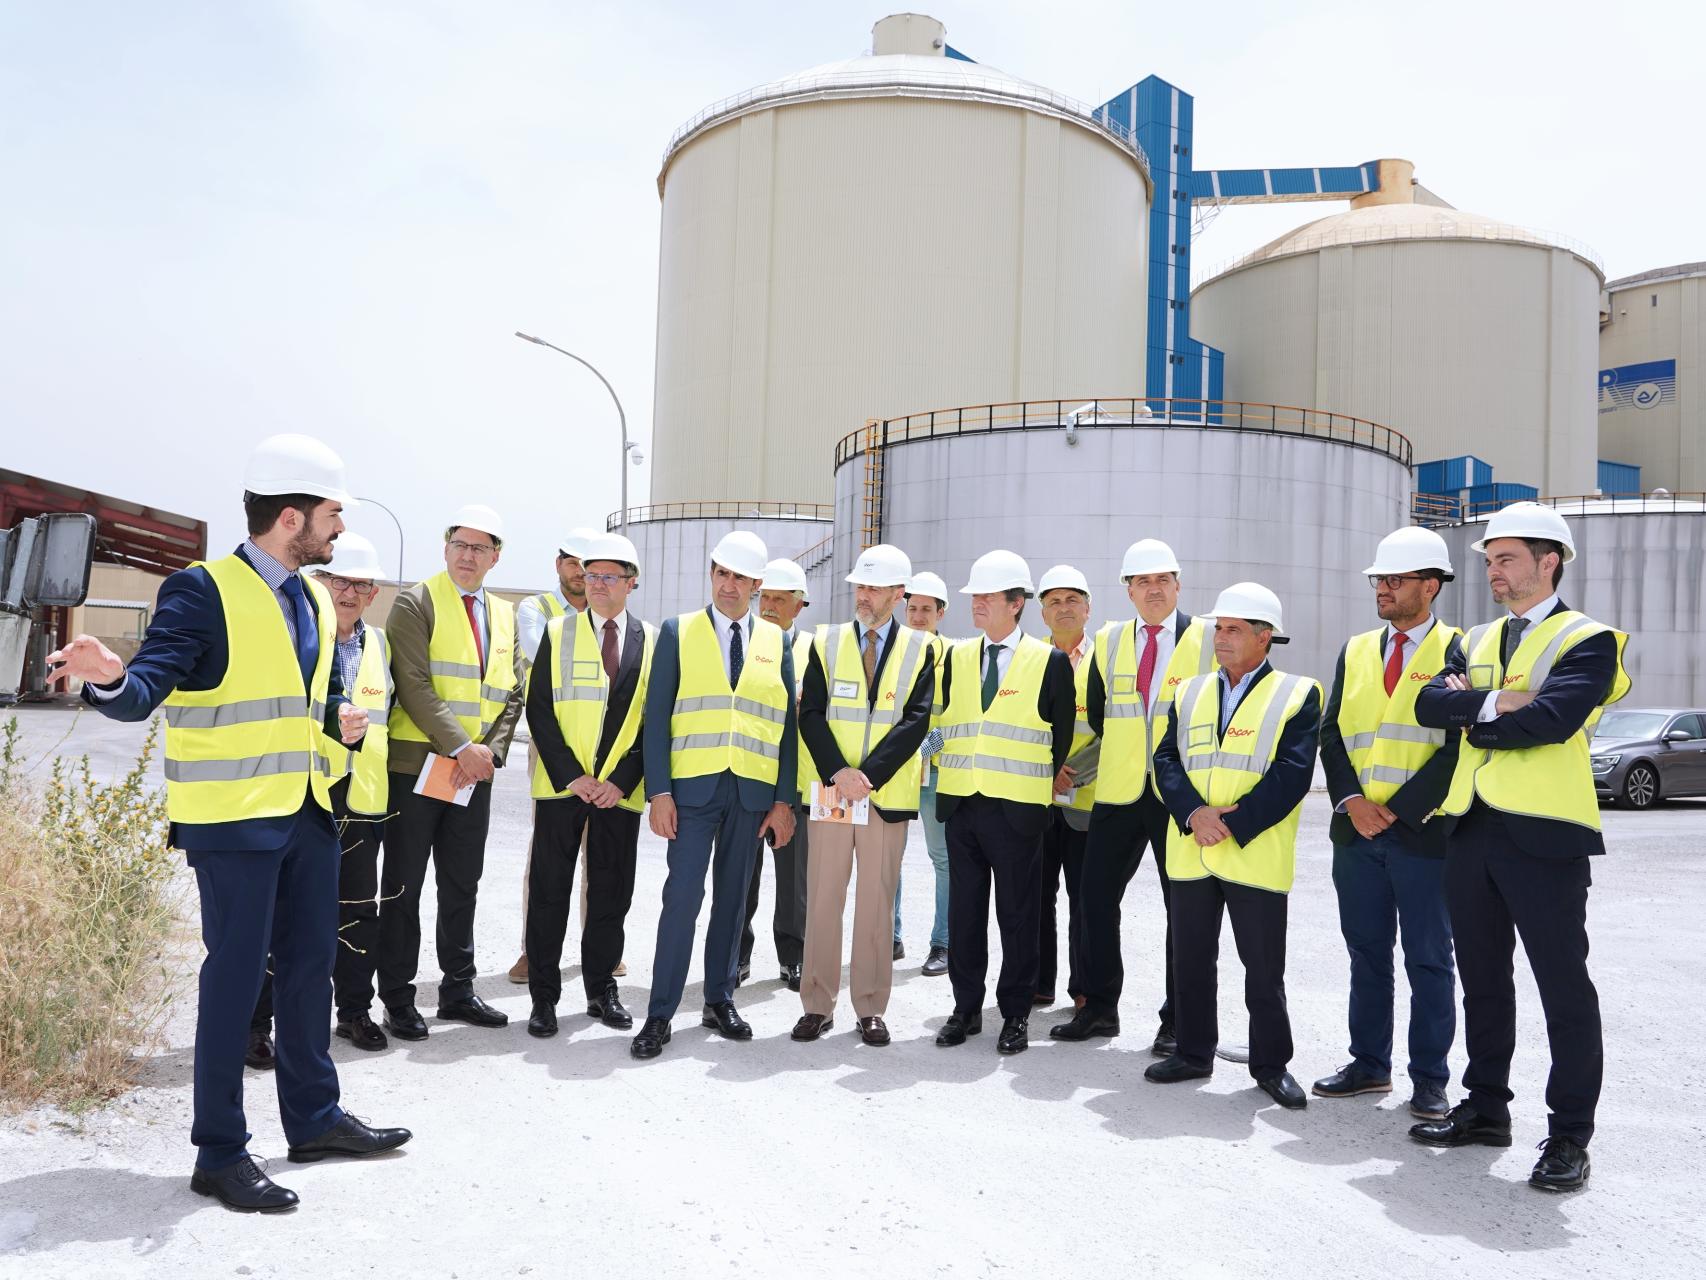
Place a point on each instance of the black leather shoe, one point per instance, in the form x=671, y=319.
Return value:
x=472, y=1010
x=1563, y=1165
x=405, y=1022
x=1175, y=1070
x=899, y=950
x=791, y=976
x=542, y=1022
x=811, y=1026
x=607, y=1008
x=936, y=963
x=360, y=1031
x=243, y=1187
x=1166, y=1043
x=1285, y=1091
x=1428, y=1102
x=1086, y=1024
x=652, y=1038
x=958, y=1027
x=1463, y=1126
x=743, y=973
x=1350, y=1080
x=259, y=1054
x=873, y=1031
x=725, y=1020
x=1015, y=1036
x=349, y=1137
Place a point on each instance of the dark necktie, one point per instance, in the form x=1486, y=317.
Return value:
x=991, y=674
x=1395, y=662
x=474, y=626
x=1514, y=627
x=610, y=649
x=871, y=663
x=737, y=659
x=1146, y=664
x=307, y=633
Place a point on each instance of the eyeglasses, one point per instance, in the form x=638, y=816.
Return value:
x=606, y=579
x=478, y=548
x=1392, y=581
x=357, y=585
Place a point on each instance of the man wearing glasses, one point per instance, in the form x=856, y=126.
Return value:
x=459, y=676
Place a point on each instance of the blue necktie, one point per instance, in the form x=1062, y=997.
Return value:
x=307, y=633
x=737, y=659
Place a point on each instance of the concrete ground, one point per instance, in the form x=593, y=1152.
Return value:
x=774, y=1158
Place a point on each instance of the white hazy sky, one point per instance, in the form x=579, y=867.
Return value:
x=221, y=219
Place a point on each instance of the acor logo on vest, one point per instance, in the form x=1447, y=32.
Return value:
x=1421, y=677
x=1240, y=733
x=371, y=693
x=759, y=657
x=1005, y=693
x=1509, y=681
x=888, y=697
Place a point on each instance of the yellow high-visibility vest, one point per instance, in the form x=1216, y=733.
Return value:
x=1224, y=769
x=548, y=605
x=1007, y=752
x=713, y=727
x=859, y=725
x=580, y=696
x=370, y=786
x=251, y=746
x=1553, y=781
x=476, y=699
x=1130, y=731
x=1085, y=757
x=805, y=769
x=1385, y=744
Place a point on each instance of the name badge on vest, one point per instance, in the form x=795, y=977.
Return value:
x=846, y=689
x=587, y=670
x=1199, y=735
x=1481, y=676
x=1122, y=685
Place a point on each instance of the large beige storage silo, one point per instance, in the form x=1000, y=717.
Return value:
x=879, y=234
x=1469, y=335
x=1652, y=357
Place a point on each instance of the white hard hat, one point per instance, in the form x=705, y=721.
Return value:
x=478, y=516
x=609, y=546
x=1528, y=520
x=1063, y=575
x=1251, y=601
x=998, y=571
x=353, y=556
x=928, y=584
x=296, y=464
x=881, y=566
x=785, y=575
x=741, y=552
x=1411, y=548
x=1148, y=555
x=577, y=538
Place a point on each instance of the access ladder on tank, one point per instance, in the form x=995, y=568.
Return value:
x=871, y=531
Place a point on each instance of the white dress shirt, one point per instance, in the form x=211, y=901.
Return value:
x=723, y=625
x=1412, y=639
x=1490, y=707
x=531, y=621
x=1003, y=659
x=1166, y=640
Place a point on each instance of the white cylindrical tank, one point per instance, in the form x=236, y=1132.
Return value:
x=675, y=552
x=1468, y=335
x=878, y=234
x=1652, y=357
x=1299, y=514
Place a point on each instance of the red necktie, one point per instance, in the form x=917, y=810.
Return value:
x=1146, y=664
x=1395, y=663
x=610, y=649
x=474, y=626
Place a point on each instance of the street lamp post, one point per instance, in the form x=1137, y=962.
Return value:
x=621, y=418
x=387, y=510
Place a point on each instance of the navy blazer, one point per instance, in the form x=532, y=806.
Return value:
x=688, y=793
x=1413, y=802
x=1276, y=793
x=1579, y=682
x=185, y=648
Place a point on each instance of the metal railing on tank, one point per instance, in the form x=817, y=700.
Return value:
x=725, y=509
x=1096, y=413
x=1435, y=509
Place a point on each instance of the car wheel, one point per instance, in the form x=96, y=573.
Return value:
x=1640, y=787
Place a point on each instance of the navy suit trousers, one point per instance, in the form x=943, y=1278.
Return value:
x=288, y=896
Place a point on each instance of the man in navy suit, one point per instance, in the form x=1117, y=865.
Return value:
x=720, y=766
x=1523, y=821
x=240, y=653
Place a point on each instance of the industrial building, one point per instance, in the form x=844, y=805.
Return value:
x=1652, y=357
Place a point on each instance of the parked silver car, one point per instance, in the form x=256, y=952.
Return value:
x=1642, y=755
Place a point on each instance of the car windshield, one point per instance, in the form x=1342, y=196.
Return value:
x=1630, y=724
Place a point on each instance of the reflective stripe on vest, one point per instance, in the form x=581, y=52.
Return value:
x=1223, y=772
x=713, y=728
x=249, y=747
x=1085, y=758
x=1552, y=781
x=857, y=724
x=580, y=696
x=1007, y=752
x=1385, y=744
x=370, y=785
x=476, y=699
x=1130, y=731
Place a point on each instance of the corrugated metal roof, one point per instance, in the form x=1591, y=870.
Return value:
x=1660, y=275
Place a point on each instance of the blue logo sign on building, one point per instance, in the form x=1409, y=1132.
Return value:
x=1637, y=386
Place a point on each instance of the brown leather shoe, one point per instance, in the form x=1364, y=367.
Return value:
x=873, y=1031
x=518, y=971
x=811, y=1026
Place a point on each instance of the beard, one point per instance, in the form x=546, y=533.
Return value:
x=311, y=546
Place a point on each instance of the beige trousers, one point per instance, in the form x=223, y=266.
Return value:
x=832, y=850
